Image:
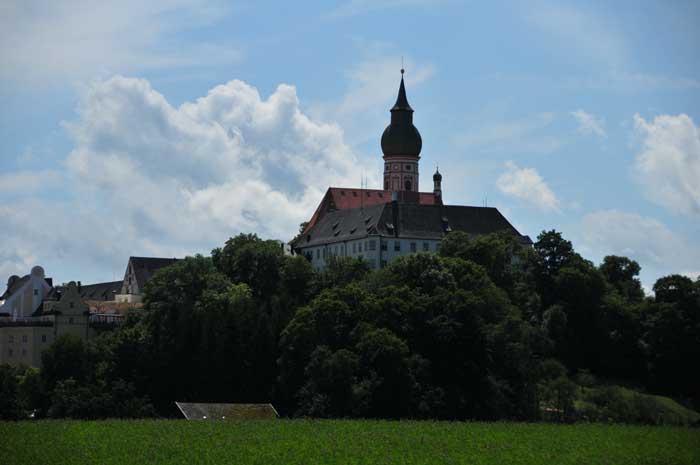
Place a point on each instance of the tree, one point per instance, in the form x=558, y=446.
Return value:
x=621, y=273
x=340, y=271
x=68, y=357
x=672, y=331
x=248, y=259
x=10, y=406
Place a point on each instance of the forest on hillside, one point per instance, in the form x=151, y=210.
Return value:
x=484, y=329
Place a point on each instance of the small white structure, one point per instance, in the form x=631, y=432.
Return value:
x=25, y=295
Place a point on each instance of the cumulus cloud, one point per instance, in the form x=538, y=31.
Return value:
x=527, y=184
x=659, y=250
x=588, y=123
x=149, y=178
x=668, y=162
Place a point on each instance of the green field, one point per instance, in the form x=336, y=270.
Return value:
x=341, y=442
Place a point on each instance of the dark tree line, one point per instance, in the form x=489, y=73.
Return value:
x=484, y=329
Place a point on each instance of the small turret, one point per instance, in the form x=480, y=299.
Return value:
x=437, y=186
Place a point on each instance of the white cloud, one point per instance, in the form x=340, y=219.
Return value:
x=83, y=39
x=658, y=250
x=153, y=179
x=668, y=162
x=588, y=123
x=527, y=184
x=27, y=182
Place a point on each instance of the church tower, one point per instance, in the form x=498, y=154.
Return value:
x=401, y=145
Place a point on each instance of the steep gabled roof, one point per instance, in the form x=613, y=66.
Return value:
x=345, y=198
x=409, y=220
x=14, y=287
x=342, y=225
x=145, y=267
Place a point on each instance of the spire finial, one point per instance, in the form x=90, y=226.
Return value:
x=402, y=70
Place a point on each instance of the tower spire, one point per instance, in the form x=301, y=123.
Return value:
x=401, y=146
x=401, y=100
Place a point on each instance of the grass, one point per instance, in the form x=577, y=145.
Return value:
x=341, y=442
x=670, y=410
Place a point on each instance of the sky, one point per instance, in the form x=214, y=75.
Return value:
x=163, y=128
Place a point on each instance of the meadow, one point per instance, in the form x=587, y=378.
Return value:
x=341, y=442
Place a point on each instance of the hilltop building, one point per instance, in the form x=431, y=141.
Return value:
x=138, y=271
x=380, y=225
x=34, y=313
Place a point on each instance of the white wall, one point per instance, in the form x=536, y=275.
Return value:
x=362, y=247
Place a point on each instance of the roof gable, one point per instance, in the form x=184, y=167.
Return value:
x=145, y=267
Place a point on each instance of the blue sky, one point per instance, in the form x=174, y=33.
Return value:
x=163, y=129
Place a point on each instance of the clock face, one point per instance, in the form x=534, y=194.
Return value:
x=396, y=167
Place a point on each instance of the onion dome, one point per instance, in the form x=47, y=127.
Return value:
x=401, y=137
x=437, y=176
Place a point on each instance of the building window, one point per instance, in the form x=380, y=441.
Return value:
x=335, y=250
x=359, y=247
x=372, y=244
x=366, y=248
x=11, y=339
x=382, y=245
x=386, y=185
x=43, y=338
x=354, y=248
x=413, y=247
x=382, y=263
x=70, y=320
x=397, y=246
x=426, y=246
x=36, y=291
x=24, y=352
x=9, y=352
x=24, y=338
x=318, y=254
x=408, y=184
x=396, y=167
x=408, y=167
x=342, y=250
x=71, y=304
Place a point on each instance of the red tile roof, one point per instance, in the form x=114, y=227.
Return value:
x=342, y=198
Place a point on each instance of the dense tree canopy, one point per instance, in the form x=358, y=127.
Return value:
x=484, y=329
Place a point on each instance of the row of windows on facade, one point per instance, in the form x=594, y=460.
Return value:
x=408, y=185
x=370, y=245
x=11, y=353
x=25, y=338
x=396, y=167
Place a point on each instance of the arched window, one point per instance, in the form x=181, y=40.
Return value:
x=408, y=184
x=386, y=185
